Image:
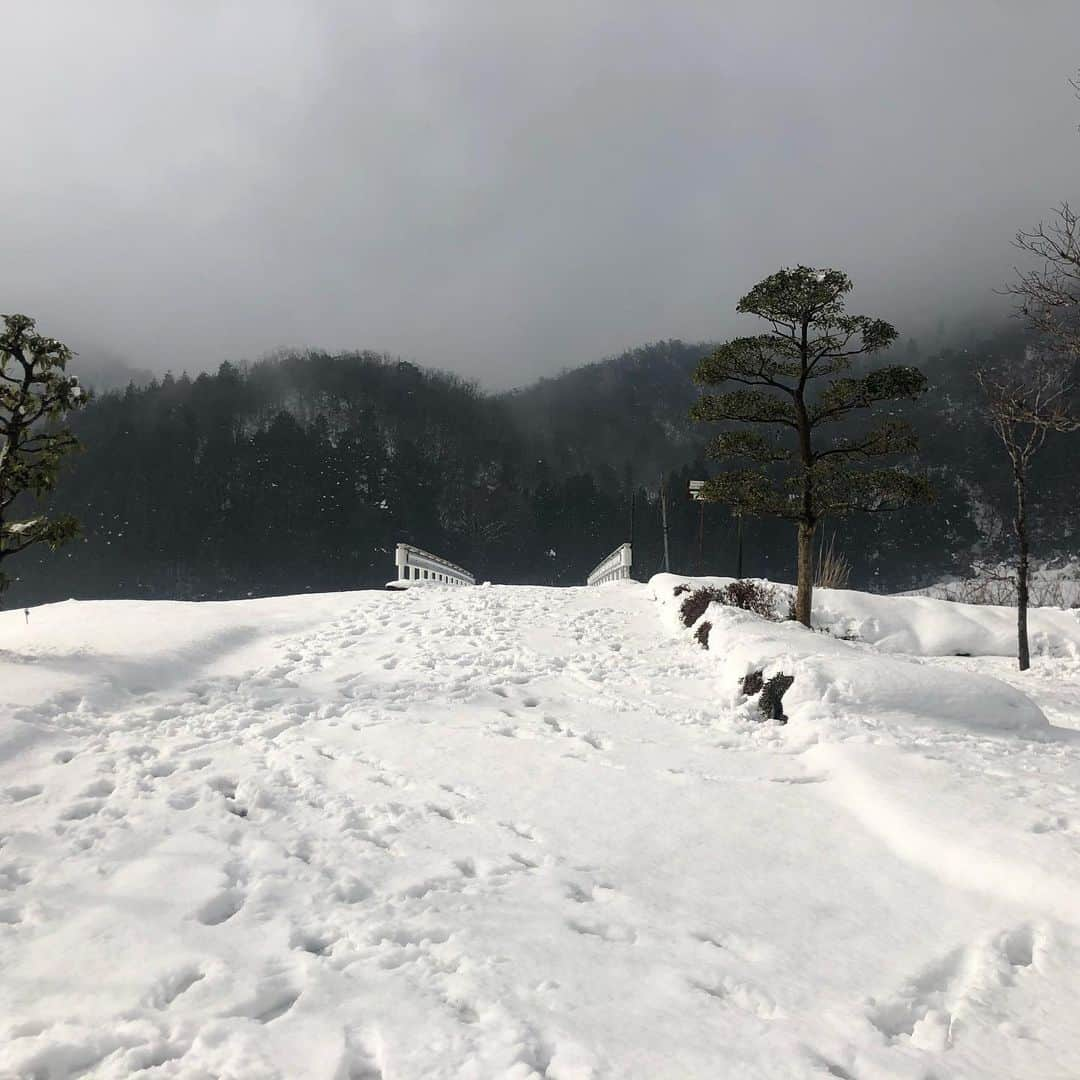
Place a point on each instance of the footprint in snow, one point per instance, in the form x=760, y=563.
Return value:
x=273, y=999
x=81, y=810
x=523, y=832
x=923, y=1011
x=742, y=995
x=10, y=915
x=99, y=789
x=220, y=908
x=362, y=1059
x=461, y=793
x=1059, y=823
x=833, y=1068
x=311, y=942
x=21, y=794
x=12, y=876
x=351, y=890
x=170, y=986
x=609, y=932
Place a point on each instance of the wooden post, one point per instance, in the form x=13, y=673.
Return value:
x=738, y=565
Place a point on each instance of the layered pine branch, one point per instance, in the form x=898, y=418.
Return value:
x=791, y=383
x=35, y=396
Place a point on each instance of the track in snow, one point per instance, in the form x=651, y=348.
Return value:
x=479, y=832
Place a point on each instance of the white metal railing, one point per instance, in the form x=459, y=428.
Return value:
x=616, y=567
x=415, y=564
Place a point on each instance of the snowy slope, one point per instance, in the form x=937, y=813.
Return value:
x=514, y=832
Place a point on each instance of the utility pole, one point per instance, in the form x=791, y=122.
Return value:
x=701, y=537
x=663, y=515
x=695, y=488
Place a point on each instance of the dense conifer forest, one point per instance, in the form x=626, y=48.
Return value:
x=300, y=473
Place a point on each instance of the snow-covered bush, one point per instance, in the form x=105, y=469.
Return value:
x=693, y=607
x=746, y=594
x=752, y=596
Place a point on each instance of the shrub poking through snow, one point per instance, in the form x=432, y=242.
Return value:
x=750, y=596
x=680, y=589
x=752, y=683
x=701, y=634
x=744, y=594
x=693, y=607
x=772, y=692
x=771, y=702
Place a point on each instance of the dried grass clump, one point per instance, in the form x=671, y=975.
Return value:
x=701, y=634
x=833, y=569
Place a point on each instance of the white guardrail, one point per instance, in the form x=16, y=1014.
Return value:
x=616, y=567
x=415, y=564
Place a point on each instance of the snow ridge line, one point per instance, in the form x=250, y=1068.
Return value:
x=917, y=841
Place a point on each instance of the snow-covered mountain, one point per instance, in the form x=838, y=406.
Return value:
x=529, y=832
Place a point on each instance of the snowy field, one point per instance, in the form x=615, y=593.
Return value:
x=526, y=832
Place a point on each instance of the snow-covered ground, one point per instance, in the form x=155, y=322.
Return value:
x=527, y=832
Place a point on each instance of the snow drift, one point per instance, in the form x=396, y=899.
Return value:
x=848, y=685
x=924, y=626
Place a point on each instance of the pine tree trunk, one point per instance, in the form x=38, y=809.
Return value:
x=804, y=590
x=1023, y=653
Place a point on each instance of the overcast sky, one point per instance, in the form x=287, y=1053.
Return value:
x=506, y=188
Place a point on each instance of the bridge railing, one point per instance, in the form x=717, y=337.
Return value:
x=616, y=567
x=415, y=564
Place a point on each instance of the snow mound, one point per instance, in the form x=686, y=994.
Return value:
x=846, y=684
x=924, y=626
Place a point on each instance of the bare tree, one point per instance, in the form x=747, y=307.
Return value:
x=1049, y=294
x=1024, y=404
x=1029, y=400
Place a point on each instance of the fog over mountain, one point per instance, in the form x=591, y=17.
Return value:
x=504, y=190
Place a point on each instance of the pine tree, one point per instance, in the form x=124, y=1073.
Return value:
x=35, y=396
x=795, y=472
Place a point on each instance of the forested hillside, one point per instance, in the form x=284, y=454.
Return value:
x=301, y=472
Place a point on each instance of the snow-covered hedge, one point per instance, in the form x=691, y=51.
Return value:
x=923, y=626
x=849, y=685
